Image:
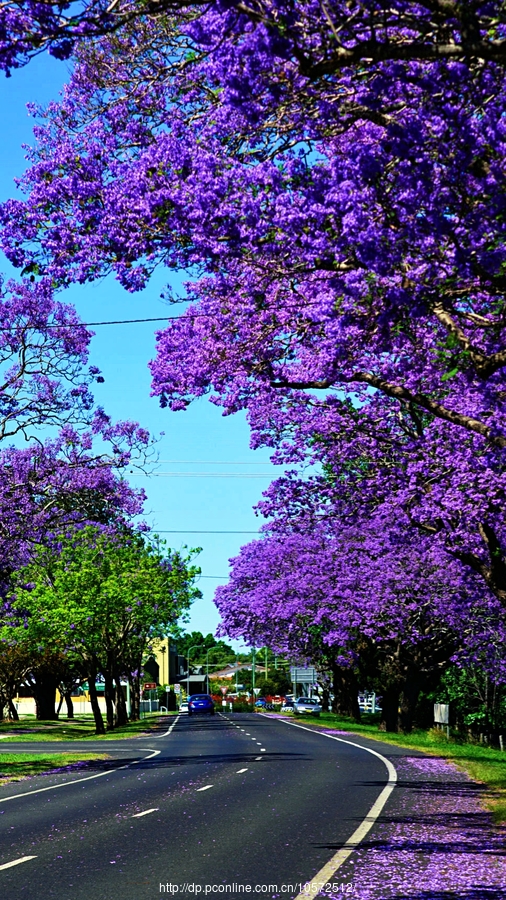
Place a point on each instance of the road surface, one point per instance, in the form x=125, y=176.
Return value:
x=233, y=799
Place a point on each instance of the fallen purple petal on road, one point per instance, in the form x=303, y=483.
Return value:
x=434, y=841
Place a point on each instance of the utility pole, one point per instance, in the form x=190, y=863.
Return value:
x=253, y=663
x=193, y=646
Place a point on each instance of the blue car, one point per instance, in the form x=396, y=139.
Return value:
x=200, y=703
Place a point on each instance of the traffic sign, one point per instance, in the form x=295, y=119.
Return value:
x=150, y=686
x=301, y=675
x=223, y=690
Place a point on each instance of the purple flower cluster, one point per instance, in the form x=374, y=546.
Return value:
x=333, y=179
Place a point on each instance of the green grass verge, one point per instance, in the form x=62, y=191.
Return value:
x=15, y=766
x=83, y=728
x=482, y=764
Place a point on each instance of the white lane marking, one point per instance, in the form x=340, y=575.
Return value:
x=145, y=813
x=206, y=787
x=16, y=862
x=258, y=757
x=240, y=771
x=328, y=871
x=54, y=787
x=262, y=749
x=165, y=733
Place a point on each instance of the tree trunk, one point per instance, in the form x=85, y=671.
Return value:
x=99, y=722
x=44, y=689
x=109, y=700
x=13, y=713
x=70, y=704
x=325, y=699
x=121, y=710
x=345, y=685
x=390, y=709
x=408, y=700
x=135, y=709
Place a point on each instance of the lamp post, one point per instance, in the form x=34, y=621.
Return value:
x=193, y=646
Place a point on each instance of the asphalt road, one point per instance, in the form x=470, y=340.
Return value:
x=219, y=800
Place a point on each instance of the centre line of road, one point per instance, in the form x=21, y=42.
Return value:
x=145, y=813
x=258, y=757
x=16, y=862
x=205, y=788
x=54, y=787
x=240, y=771
x=329, y=870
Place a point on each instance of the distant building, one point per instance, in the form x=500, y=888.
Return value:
x=165, y=665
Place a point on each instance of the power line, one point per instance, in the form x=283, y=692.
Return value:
x=220, y=577
x=202, y=474
x=164, y=531
x=208, y=462
x=185, y=315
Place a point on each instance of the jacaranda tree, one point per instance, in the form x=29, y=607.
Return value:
x=332, y=178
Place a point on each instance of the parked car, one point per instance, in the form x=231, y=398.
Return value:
x=307, y=705
x=288, y=706
x=200, y=703
x=183, y=706
x=262, y=703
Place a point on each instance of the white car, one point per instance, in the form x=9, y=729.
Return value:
x=307, y=705
x=183, y=706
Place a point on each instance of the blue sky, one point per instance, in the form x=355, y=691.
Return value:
x=200, y=441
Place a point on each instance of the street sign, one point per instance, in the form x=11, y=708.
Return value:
x=177, y=688
x=150, y=686
x=223, y=690
x=441, y=713
x=301, y=675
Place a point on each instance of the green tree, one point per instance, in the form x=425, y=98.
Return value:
x=106, y=596
x=201, y=644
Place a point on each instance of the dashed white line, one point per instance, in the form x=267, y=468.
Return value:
x=240, y=771
x=262, y=749
x=16, y=862
x=258, y=757
x=145, y=813
x=206, y=787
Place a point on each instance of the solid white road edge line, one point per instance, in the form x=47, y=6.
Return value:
x=165, y=733
x=16, y=862
x=145, y=813
x=205, y=788
x=54, y=787
x=328, y=871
